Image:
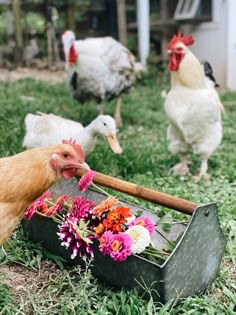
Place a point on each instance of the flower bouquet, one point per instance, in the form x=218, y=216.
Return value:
x=130, y=246
x=118, y=232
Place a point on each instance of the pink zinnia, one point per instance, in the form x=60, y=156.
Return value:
x=86, y=180
x=36, y=205
x=58, y=206
x=145, y=222
x=105, y=242
x=118, y=246
x=60, y=203
x=81, y=207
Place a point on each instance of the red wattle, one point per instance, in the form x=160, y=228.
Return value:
x=175, y=60
x=73, y=55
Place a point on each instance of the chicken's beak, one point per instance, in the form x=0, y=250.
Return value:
x=84, y=166
x=114, y=144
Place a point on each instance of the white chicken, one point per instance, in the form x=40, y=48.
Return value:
x=46, y=129
x=192, y=106
x=101, y=68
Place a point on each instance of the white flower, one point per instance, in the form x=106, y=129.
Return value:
x=141, y=238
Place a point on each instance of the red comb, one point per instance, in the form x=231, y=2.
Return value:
x=76, y=147
x=187, y=40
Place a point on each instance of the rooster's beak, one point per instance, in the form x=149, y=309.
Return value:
x=114, y=144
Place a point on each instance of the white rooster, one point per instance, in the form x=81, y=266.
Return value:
x=192, y=106
x=46, y=129
x=101, y=68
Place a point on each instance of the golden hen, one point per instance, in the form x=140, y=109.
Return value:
x=25, y=176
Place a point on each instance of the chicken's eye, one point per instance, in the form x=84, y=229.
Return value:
x=104, y=124
x=66, y=155
x=179, y=49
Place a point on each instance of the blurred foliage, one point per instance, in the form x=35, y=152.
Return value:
x=90, y=20
x=34, y=21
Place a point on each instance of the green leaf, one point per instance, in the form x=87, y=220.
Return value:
x=150, y=307
x=57, y=259
x=165, y=223
x=169, y=247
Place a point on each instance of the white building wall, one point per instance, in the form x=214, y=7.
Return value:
x=231, y=45
x=211, y=40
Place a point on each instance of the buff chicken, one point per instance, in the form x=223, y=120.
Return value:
x=25, y=176
x=192, y=106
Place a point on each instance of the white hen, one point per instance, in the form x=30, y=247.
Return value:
x=98, y=67
x=47, y=129
x=192, y=106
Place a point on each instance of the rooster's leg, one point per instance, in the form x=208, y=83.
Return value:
x=117, y=114
x=203, y=171
x=100, y=109
x=182, y=167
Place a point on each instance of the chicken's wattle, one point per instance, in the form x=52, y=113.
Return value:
x=175, y=60
x=73, y=55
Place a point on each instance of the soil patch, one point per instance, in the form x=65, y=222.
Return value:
x=57, y=76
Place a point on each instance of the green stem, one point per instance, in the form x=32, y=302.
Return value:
x=59, y=217
x=162, y=235
x=157, y=255
x=52, y=203
x=53, y=218
x=180, y=222
x=152, y=250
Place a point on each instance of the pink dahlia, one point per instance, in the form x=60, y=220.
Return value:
x=36, y=205
x=76, y=237
x=145, y=222
x=81, y=207
x=118, y=246
x=86, y=180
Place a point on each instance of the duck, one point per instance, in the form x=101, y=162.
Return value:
x=46, y=129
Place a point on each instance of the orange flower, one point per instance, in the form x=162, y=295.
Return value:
x=115, y=245
x=116, y=218
x=99, y=230
x=48, y=211
x=105, y=205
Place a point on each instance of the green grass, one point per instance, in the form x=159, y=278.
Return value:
x=145, y=161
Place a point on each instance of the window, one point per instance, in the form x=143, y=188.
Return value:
x=193, y=9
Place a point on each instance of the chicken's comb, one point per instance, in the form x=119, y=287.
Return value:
x=76, y=147
x=187, y=40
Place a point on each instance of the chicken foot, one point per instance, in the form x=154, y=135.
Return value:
x=182, y=167
x=100, y=109
x=203, y=171
x=117, y=114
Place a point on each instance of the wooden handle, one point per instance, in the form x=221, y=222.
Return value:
x=169, y=201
